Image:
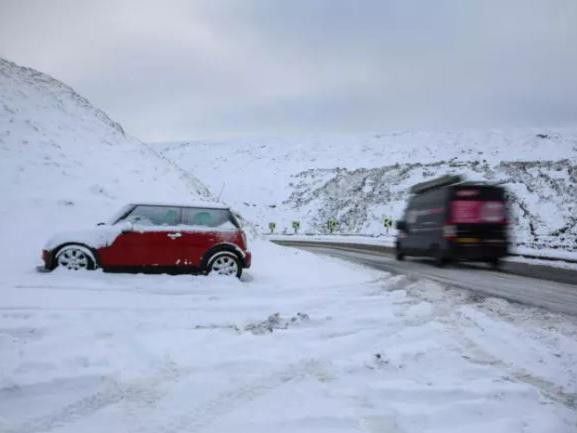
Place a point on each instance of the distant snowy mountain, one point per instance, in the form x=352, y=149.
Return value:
x=358, y=180
x=65, y=164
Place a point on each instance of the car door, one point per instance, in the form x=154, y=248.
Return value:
x=151, y=237
x=125, y=251
x=204, y=228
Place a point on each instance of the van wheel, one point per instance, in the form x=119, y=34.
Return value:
x=439, y=257
x=399, y=255
x=495, y=264
x=224, y=263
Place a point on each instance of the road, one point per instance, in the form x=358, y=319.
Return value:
x=542, y=286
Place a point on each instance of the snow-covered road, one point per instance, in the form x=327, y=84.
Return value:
x=302, y=344
x=510, y=284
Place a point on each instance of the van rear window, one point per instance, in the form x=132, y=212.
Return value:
x=478, y=212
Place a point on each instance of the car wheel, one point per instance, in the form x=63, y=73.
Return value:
x=75, y=258
x=225, y=263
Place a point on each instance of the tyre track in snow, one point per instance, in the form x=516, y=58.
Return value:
x=142, y=390
x=148, y=391
x=540, y=292
x=446, y=311
x=201, y=416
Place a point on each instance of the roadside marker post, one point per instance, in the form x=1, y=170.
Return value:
x=388, y=223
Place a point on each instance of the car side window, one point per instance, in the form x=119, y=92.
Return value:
x=154, y=216
x=211, y=218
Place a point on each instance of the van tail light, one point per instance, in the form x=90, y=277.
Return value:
x=493, y=212
x=449, y=231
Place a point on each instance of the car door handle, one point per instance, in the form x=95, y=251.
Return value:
x=174, y=235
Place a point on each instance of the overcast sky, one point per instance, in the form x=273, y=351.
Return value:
x=175, y=70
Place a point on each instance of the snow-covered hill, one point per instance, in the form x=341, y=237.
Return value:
x=66, y=164
x=358, y=180
x=359, y=348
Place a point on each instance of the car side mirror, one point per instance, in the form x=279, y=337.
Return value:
x=402, y=226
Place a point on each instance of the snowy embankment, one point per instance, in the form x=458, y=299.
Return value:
x=359, y=180
x=65, y=165
x=302, y=343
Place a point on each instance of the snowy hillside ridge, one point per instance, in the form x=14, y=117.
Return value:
x=542, y=194
x=65, y=165
x=358, y=180
x=13, y=77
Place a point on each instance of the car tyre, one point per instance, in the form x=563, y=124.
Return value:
x=224, y=263
x=75, y=258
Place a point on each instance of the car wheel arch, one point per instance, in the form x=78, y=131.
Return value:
x=220, y=248
x=91, y=252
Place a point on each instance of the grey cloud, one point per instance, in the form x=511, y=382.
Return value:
x=179, y=69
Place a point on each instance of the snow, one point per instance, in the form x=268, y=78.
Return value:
x=557, y=263
x=555, y=253
x=301, y=343
x=192, y=203
x=98, y=237
x=358, y=180
x=385, y=240
x=551, y=258
x=65, y=166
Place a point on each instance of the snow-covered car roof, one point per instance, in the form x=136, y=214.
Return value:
x=200, y=204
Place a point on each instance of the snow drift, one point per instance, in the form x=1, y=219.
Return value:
x=65, y=164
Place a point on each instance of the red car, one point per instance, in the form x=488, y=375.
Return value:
x=163, y=238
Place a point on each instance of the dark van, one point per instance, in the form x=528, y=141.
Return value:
x=449, y=219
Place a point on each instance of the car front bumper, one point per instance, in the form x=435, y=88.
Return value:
x=247, y=260
x=49, y=263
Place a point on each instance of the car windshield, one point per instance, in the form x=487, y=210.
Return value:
x=120, y=214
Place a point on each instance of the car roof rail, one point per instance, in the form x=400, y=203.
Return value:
x=438, y=182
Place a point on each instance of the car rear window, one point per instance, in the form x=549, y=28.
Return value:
x=211, y=218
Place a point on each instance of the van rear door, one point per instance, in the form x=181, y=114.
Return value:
x=478, y=212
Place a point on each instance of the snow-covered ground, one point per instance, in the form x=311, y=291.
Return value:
x=301, y=343
x=64, y=165
x=358, y=180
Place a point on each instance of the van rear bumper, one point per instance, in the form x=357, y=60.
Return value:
x=483, y=250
